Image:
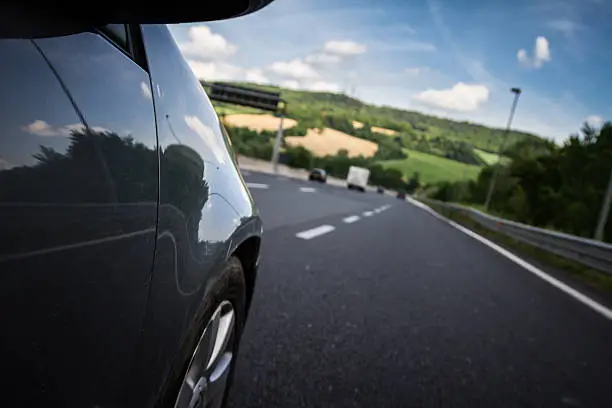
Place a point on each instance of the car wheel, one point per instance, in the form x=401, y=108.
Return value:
x=210, y=366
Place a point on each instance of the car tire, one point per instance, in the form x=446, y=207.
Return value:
x=228, y=287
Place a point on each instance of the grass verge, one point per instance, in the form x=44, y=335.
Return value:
x=598, y=281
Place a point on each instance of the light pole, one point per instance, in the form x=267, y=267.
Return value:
x=603, y=214
x=279, y=136
x=517, y=93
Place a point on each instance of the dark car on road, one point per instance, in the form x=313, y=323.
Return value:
x=380, y=190
x=130, y=242
x=319, y=175
x=401, y=195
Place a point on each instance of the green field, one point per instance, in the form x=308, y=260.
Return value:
x=433, y=168
x=489, y=158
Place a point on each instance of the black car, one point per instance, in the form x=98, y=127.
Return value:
x=401, y=195
x=130, y=243
x=318, y=175
x=380, y=190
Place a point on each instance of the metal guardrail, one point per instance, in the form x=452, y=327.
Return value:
x=588, y=252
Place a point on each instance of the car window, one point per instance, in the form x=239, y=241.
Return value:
x=119, y=34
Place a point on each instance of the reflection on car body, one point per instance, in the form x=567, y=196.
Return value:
x=125, y=223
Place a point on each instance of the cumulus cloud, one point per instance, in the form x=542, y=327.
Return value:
x=541, y=54
x=214, y=71
x=205, y=45
x=595, y=120
x=146, y=91
x=257, y=76
x=344, y=48
x=461, y=97
x=296, y=69
x=42, y=128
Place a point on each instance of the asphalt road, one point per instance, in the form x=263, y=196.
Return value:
x=399, y=309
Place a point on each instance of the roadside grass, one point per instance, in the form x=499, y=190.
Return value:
x=432, y=168
x=596, y=280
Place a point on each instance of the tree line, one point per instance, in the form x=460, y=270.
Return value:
x=550, y=186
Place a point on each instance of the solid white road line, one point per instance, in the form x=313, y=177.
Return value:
x=308, y=189
x=257, y=185
x=368, y=213
x=587, y=301
x=351, y=219
x=315, y=232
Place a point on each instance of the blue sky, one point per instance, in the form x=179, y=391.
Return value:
x=455, y=59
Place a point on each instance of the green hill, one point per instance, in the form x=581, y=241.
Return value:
x=438, y=148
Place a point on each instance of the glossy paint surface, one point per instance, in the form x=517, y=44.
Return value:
x=205, y=208
x=109, y=239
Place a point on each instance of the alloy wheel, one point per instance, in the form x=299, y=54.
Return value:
x=208, y=372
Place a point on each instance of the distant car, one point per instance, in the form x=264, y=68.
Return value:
x=319, y=175
x=380, y=190
x=401, y=195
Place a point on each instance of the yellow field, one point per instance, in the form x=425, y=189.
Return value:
x=384, y=131
x=258, y=122
x=329, y=141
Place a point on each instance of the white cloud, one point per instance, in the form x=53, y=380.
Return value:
x=206, y=46
x=214, y=71
x=40, y=128
x=541, y=54
x=257, y=76
x=290, y=84
x=146, y=92
x=344, y=48
x=295, y=68
x=323, y=58
x=461, y=97
x=595, y=120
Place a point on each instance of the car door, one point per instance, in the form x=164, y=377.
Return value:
x=203, y=201
x=78, y=209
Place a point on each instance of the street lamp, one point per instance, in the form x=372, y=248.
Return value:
x=517, y=93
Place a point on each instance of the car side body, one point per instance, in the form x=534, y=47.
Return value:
x=120, y=201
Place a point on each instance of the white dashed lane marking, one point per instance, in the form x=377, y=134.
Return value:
x=368, y=213
x=315, y=232
x=307, y=189
x=351, y=219
x=257, y=185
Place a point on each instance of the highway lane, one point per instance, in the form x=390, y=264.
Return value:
x=400, y=309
